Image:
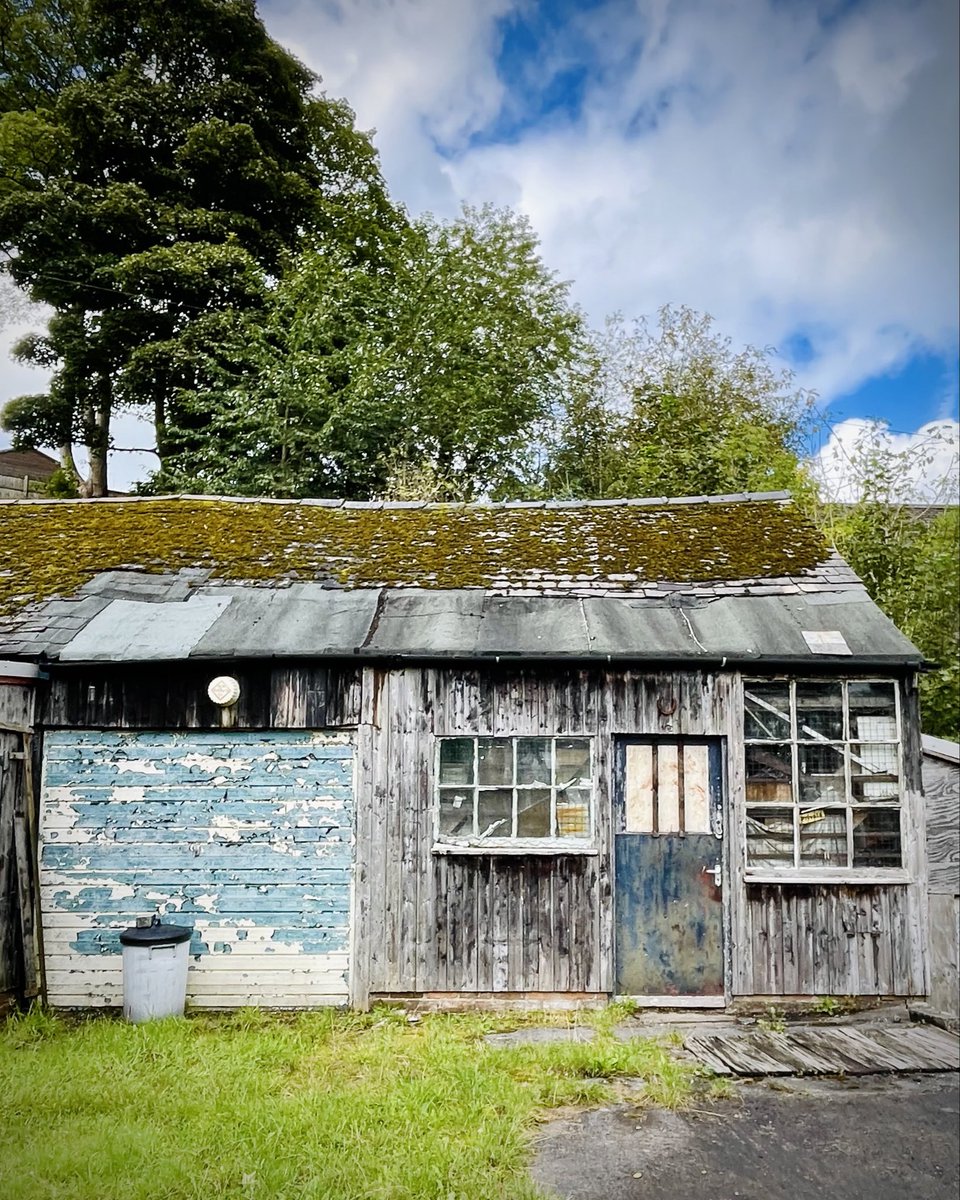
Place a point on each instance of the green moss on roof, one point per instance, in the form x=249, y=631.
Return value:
x=53, y=549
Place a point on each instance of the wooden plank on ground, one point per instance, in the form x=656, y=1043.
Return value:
x=852, y=1058
x=701, y=1049
x=830, y=1050
x=796, y=1059
x=741, y=1055
x=862, y=1044
x=925, y=1047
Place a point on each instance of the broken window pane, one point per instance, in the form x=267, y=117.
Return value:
x=770, y=837
x=533, y=761
x=766, y=711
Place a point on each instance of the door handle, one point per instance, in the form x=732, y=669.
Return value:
x=717, y=872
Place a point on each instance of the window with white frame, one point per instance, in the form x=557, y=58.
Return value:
x=514, y=789
x=823, y=781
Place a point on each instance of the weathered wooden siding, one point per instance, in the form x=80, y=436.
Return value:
x=941, y=783
x=174, y=696
x=247, y=838
x=492, y=923
x=19, y=951
x=829, y=940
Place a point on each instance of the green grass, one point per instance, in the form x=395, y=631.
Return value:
x=311, y=1106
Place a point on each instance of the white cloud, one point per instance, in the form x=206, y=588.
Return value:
x=775, y=191
x=418, y=72
x=924, y=466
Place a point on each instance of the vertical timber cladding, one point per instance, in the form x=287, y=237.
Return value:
x=495, y=923
x=246, y=837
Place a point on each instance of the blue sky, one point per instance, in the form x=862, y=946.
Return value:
x=788, y=166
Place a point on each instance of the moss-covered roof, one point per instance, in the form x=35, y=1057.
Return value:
x=53, y=548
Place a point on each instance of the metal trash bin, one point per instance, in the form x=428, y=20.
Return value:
x=155, y=960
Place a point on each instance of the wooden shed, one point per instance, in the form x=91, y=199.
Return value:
x=548, y=753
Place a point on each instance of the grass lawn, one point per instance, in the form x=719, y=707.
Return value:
x=312, y=1106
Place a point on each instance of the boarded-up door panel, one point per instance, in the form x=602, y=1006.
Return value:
x=245, y=837
x=668, y=936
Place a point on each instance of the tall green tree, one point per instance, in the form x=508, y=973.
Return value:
x=671, y=408
x=428, y=369
x=908, y=556
x=158, y=160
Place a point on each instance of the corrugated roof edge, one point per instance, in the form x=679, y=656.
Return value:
x=374, y=505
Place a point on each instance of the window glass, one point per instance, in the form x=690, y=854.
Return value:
x=770, y=837
x=841, y=808
x=573, y=762
x=494, y=761
x=456, y=811
x=770, y=773
x=501, y=788
x=875, y=772
x=820, y=710
x=822, y=779
x=533, y=761
x=533, y=812
x=823, y=837
x=873, y=711
x=766, y=711
x=495, y=812
x=456, y=761
x=876, y=837
x=573, y=813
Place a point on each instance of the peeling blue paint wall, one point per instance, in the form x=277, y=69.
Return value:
x=246, y=838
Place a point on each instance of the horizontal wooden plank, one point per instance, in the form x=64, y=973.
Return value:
x=124, y=860
x=256, y=964
x=248, y=999
x=200, y=978
x=68, y=807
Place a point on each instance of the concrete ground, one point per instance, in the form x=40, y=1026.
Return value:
x=877, y=1137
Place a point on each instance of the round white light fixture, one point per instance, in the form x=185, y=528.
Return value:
x=224, y=690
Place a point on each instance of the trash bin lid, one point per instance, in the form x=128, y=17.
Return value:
x=154, y=934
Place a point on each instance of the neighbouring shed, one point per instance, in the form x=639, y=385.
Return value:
x=550, y=752
x=25, y=473
x=941, y=785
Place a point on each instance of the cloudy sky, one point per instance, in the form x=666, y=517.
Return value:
x=788, y=166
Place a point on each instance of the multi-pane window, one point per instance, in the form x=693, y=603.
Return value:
x=822, y=774
x=514, y=788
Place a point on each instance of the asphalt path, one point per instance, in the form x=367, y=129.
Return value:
x=872, y=1138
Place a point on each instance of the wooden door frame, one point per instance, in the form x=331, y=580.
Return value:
x=620, y=741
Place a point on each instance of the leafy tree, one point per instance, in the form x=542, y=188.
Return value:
x=908, y=556
x=158, y=161
x=671, y=409
x=425, y=371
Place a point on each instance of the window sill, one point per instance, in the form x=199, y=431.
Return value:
x=554, y=846
x=863, y=875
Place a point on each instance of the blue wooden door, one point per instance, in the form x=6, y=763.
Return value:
x=668, y=829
